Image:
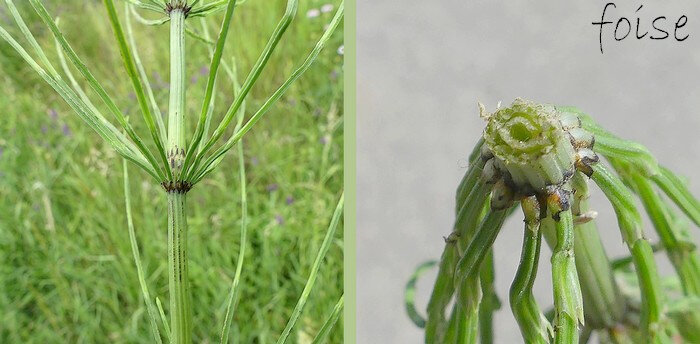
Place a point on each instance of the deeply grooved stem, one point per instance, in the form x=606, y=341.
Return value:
x=180, y=309
x=176, y=107
x=178, y=282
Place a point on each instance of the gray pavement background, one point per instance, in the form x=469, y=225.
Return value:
x=422, y=65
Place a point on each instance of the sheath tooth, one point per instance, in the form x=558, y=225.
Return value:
x=581, y=138
x=489, y=174
x=569, y=120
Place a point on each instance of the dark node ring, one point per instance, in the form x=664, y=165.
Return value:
x=183, y=6
x=563, y=199
x=452, y=238
x=178, y=186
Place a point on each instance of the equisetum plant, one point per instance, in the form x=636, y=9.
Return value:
x=541, y=157
x=178, y=164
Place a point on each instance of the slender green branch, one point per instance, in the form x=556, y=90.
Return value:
x=490, y=302
x=629, y=221
x=679, y=249
x=32, y=41
x=46, y=18
x=677, y=245
x=330, y=322
x=76, y=86
x=142, y=72
x=436, y=322
x=163, y=319
x=144, y=21
x=534, y=327
x=215, y=159
x=472, y=175
x=410, y=293
x=466, y=273
x=330, y=234
x=622, y=262
x=212, y=7
x=150, y=307
x=455, y=331
x=205, y=114
x=678, y=191
x=464, y=229
x=603, y=305
x=248, y=84
x=632, y=152
x=95, y=120
x=235, y=284
x=568, y=302
x=136, y=82
x=146, y=6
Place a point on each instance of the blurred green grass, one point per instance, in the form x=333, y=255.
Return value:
x=66, y=270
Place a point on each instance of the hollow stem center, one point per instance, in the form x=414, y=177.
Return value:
x=521, y=132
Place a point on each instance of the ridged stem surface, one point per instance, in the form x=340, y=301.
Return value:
x=178, y=283
x=176, y=107
x=534, y=327
x=603, y=304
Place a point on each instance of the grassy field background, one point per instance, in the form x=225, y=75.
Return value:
x=66, y=270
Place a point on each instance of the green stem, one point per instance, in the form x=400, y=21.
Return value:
x=330, y=322
x=176, y=108
x=490, y=302
x=260, y=64
x=568, y=302
x=470, y=205
x=470, y=263
x=180, y=310
x=603, y=304
x=534, y=327
x=178, y=283
x=679, y=249
x=150, y=307
x=679, y=193
x=630, y=224
x=205, y=115
x=235, y=284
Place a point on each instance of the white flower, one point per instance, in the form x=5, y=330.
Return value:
x=341, y=50
x=326, y=8
x=313, y=13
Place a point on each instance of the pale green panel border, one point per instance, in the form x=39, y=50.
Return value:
x=349, y=320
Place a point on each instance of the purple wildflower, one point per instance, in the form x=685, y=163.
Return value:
x=279, y=219
x=53, y=114
x=272, y=187
x=66, y=130
x=289, y=200
x=44, y=129
x=313, y=13
x=323, y=140
x=204, y=70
